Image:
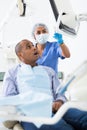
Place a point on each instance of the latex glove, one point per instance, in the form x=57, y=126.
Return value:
x=58, y=37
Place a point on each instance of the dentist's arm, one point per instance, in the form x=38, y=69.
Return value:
x=64, y=48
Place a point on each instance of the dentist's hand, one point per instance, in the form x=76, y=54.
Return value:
x=58, y=37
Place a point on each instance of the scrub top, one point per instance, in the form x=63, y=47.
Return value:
x=50, y=55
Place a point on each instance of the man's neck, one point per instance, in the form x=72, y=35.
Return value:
x=34, y=65
x=31, y=64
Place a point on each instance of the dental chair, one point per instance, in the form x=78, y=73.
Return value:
x=10, y=113
x=76, y=84
x=75, y=90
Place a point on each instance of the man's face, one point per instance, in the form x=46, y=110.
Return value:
x=29, y=53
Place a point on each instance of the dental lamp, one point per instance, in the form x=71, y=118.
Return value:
x=22, y=7
x=67, y=22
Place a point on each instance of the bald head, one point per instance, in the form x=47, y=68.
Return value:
x=19, y=46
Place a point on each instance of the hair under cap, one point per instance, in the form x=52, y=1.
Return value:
x=39, y=25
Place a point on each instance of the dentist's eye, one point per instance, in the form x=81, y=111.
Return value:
x=38, y=32
x=44, y=31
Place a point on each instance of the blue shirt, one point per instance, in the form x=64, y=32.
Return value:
x=52, y=52
x=10, y=85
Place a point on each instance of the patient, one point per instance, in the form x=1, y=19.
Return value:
x=28, y=55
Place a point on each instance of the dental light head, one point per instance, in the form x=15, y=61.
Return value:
x=22, y=7
x=67, y=22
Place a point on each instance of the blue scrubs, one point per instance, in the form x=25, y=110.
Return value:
x=52, y=52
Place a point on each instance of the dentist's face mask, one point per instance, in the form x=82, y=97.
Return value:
x=42, y=38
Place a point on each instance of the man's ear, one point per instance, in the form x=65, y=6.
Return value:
x=19, y=55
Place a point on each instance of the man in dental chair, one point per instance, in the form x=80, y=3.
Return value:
x=32, y=84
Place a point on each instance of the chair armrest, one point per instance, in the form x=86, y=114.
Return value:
x=8, y=115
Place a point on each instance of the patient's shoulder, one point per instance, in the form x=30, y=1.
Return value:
x=13, y=70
